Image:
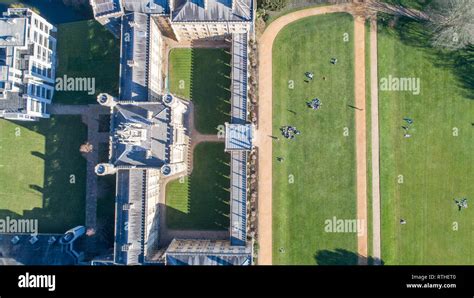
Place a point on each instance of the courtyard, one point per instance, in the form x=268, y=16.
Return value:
x=202, y=75
x=43, y=174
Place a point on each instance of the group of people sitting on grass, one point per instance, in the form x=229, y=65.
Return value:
x=461, y=203
x=315, y=104
x=289, y=132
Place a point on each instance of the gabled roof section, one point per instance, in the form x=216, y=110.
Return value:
x=147, y=6
x=134, y=57
x=129, y=223
x=105, y=7
x=207, y=252
x=212, y=10
x=140, y=135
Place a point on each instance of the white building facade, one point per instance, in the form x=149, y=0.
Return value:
x=27, y=65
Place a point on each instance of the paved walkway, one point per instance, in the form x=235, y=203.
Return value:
x=374, y=95
x=197, y=137
x=264, y=131
x=90, y=117
x=59, y=109
x=361, y=135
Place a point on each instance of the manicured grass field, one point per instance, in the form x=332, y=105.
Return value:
x=203, y=75
x=201, y=201
x=321, y=161
x=36, y=163
x=436, y=166
x=87, y=50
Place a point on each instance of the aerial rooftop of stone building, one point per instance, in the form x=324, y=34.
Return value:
x=134, y=57
x=212, y=10
x=105, y=7
x=147, y=6
x=129, y=217
x=207, y=252
x=140, y=135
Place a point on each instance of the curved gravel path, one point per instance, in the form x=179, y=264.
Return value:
x=264, y=131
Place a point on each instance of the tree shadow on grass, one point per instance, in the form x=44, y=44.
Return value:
x=210, y=88
x=341, y=256
x=55, y=11
x=87, y=50
x=417, y=34
x=415, y=4
x=63, y=195
x=206, y=192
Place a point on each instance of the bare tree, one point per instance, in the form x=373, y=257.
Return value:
x=86, y=148
x=274, y=5
x=452, y=22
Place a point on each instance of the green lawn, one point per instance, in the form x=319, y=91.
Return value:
x=55, y=11
x=87, y=50
x=203, y=75
x=436, y=165
x=201, y=201
x=321, y=160
x=36, y=163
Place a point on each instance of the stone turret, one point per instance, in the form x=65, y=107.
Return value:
x=173, y=102
x=103, y=169
x=173, y=169
x=106, y=100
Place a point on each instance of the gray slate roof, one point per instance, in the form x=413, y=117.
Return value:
x=135, y=46
x=147, y=6
x=238, y=198
x=40, y=253
x=238, y=137
x=105, y=7
x=215, y=10
x=129, y=224
x=207, y=252
x=13, y=102
x=156, y=138
x=239, y=78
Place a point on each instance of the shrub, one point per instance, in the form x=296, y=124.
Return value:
x=273, y=5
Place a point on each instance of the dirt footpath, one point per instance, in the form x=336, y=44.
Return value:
x=361, y=135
